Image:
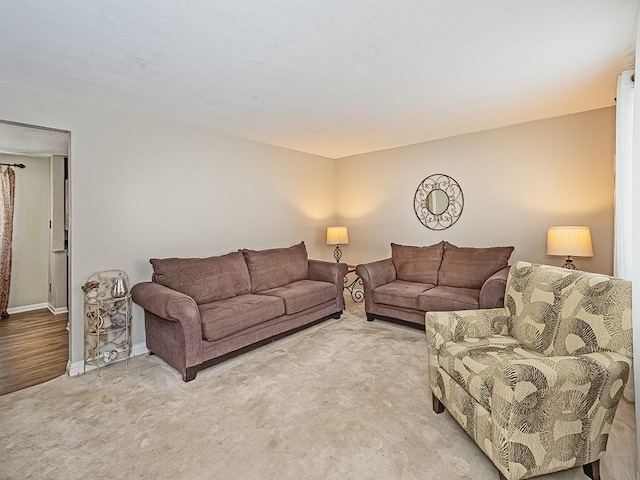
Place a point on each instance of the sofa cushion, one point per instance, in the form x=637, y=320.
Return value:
x=299, y=296
x=204, y=279
x=469, y=267
x=471, y=362
x=226, y=317
x=417, y=264
x=400, y=293
x=440, y=299
x=277, y=266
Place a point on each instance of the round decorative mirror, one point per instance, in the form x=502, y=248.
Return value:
x=438, y=202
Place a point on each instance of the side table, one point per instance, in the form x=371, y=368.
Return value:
x=357, y=294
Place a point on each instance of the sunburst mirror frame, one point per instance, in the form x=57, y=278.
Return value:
x=441, y=218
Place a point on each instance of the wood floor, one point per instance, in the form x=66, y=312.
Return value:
x=34, y=348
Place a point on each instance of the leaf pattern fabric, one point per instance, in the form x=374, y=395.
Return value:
x=537, y=383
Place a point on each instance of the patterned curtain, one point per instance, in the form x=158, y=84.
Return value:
x=7, y=196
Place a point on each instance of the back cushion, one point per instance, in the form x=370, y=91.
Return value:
x=532, y=300
x=276, y=267
x=557, y=311
x=417, y=264
x=204, y=279
x=470, y=267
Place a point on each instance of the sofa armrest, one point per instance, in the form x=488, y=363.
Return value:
x=168, y=304
x=492, y=291
x=377, y=273
x=331, y=272
x=563, y=405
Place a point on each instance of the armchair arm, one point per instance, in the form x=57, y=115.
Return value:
x=551, y=413
x=492, y=291
x=443, y=327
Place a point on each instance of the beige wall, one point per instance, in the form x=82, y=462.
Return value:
x=517, y=182
x=30, y=261
x=143, y=188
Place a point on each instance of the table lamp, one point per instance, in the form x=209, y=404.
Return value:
x=337, y=236
x=568, y=241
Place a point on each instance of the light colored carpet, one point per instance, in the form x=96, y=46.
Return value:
x=346, y=399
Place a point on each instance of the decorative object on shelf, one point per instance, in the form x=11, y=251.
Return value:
x=568, y=241
x=438, y=202
x=357, y=294
x=337, y=236
x=109, y=356
x=107, y=317
x=119, y=289
x=92, y=285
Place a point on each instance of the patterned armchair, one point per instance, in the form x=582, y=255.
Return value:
x=537, y=383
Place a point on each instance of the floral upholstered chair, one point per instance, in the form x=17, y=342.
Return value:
x=537, y=383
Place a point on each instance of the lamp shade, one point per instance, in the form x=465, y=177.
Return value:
x=337, y=236
x=569, y=240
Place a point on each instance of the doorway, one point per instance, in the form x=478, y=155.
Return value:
x=34, y=339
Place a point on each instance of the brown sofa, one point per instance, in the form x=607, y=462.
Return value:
x=201, y=311
x=440, y=277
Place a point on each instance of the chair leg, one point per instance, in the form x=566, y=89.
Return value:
x=438, y=407
x=501, y=476
x=370, y=317
x=592, y=470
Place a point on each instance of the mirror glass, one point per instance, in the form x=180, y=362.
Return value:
x=437, y=201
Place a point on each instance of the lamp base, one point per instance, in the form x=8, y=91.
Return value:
x=568, y=263
x=337, y=254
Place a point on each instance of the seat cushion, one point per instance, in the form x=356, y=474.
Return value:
x=471, y=362
x=277, y=266
x=469, y=267
x=299, y=296
x=226, y=317
x=441, y=299
x=204, y=279
x=417, y=264
x=400, y=293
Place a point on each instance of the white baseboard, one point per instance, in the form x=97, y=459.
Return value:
x=139, y=349
x=27, y=308
x=77, y=368
x=57, y=311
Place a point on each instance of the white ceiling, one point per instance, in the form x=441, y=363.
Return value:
x=331, y=77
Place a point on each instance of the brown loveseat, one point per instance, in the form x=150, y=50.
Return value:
x=439, y=277
x=201, y=311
